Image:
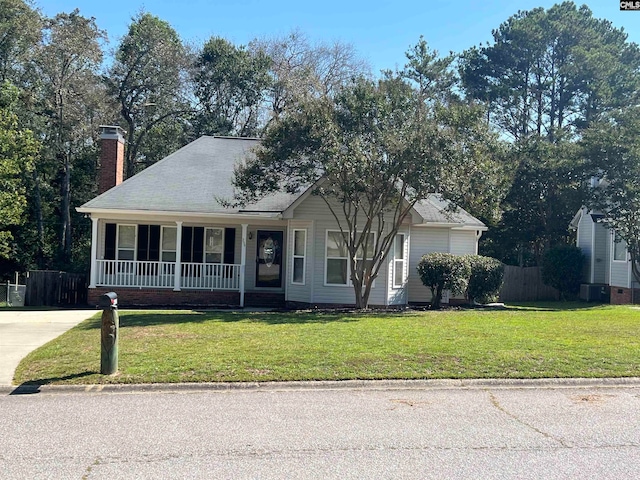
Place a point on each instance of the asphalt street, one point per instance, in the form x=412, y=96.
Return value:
x=371, y=432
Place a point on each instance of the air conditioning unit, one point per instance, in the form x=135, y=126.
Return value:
x=594, y=292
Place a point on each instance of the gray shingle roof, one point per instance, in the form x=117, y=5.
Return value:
x=191, y=179
x=194, y=178
x=434, y=209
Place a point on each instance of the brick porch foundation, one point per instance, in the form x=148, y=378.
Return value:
x=156, y=297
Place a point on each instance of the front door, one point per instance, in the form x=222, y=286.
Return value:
x=269, y=259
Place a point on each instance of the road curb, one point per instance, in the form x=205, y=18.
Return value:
x=438, y=384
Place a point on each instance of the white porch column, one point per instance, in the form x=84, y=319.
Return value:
x=178, y=272
x=94, y=252
x=243, y=262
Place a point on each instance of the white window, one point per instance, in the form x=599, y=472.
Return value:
x=126, y=242
x=213, y=245
x=398, y=261
x=619, y=249
x=337, y=270
x=169, y=244
x=299, y=255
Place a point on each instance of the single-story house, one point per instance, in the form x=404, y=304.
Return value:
x=165, y=237
x=607, y=272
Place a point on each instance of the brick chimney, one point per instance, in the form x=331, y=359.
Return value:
x=111, y=157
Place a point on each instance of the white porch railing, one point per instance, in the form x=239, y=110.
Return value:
x=210, y=276
x=202, y=276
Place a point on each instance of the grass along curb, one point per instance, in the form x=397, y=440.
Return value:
x=527, y=341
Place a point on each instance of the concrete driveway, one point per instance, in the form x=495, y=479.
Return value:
x=23, y=331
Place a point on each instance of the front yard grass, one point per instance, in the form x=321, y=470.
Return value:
x=528, y=341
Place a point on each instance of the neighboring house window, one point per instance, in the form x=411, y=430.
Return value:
x=337, y=271
x=398, y=261
x=299, y=254
x=619, y=249
x=213, y=245
x=169, y=244
x=126, y=249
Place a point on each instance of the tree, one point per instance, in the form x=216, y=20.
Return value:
x=301, y=70
x=230, y=85
x=547, y=188
x=562, y=269
x=72, y=101
x=370, y=152
x=549, y=73
x=148, y=79
x=545, y=77
x=20, y=30
x=611, y=149
x=443, y=271
x=18, y=149
x=436, y=84
x=431, y=73
x=485, y=278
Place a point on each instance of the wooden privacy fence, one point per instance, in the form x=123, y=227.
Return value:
x=524, y=284
x=55, y=289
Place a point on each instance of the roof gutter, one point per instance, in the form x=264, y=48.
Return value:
x=453, y=226
x=103, y=212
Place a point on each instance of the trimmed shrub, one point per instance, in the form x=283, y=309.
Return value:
x=485, y=281
x=562, y=269
x=443, y=271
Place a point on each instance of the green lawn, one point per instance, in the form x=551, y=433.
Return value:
x=543, y=340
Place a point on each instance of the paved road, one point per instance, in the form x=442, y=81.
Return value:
x=23, y=331
x=452, y=433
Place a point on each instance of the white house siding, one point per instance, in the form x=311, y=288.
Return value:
x=584, y=242
x=296, y=292
x=620, y=271
x=314, y=208
x=424, y=240
x=600, y=253
x=463, y=242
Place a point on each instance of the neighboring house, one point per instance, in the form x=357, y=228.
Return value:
x=163, y=237
x=608, y=266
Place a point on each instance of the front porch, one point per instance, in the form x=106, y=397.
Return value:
x=175, y=262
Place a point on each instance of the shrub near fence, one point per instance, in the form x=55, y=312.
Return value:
x=524, y=284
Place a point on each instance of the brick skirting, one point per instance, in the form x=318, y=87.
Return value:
x=623, y=296
x=155, y=297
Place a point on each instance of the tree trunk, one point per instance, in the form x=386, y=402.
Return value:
x=436, y=300
x=39, y=220
x=65, y=213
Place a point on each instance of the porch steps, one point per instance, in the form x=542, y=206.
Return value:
x=264, y=299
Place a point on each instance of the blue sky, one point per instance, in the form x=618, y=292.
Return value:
x=380, y=30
